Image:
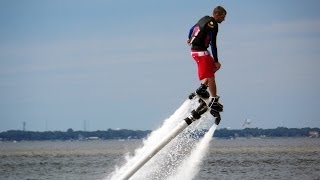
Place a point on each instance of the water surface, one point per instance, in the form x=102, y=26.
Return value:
x=284, y=158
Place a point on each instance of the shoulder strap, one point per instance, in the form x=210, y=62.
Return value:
x=206, y=21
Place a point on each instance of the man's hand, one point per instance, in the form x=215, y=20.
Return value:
x=218, y=65
x=188, y=42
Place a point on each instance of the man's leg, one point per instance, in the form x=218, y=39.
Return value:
x=205, y=81
x=214, y=102
x=211, y=83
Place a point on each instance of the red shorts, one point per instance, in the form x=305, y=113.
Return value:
x=205, y=62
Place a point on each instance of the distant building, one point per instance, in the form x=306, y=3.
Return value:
x=313, y=134
x=93, y=138
x=24, y=124
x=246, y=123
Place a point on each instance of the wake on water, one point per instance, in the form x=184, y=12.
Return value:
x=181, y=158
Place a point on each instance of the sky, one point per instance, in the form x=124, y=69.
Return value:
x=103, y=64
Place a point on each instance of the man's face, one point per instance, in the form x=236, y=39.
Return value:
x=219, y=17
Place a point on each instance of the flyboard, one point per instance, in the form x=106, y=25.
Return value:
x=194, y=115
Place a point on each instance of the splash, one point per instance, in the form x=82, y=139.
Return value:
x=166, y=163
x=190, y=166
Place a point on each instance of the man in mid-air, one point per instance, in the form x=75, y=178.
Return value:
x=201, y=35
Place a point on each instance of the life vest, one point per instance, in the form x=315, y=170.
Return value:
x=200, y=38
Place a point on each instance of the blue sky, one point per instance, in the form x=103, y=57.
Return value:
x=125, y=64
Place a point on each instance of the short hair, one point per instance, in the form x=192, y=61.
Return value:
x=219, y=10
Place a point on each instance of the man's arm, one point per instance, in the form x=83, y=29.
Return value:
x=191, y=31
x=214, y=49
x=190, y=35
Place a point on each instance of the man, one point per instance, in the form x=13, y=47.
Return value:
x=201, y=35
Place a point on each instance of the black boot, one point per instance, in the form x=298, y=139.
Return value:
x=202, y=91
x=215, y=105
x=216, y=108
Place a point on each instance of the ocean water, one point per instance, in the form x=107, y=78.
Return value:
x=283, y=158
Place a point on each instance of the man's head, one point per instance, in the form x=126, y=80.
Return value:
x=219, y=13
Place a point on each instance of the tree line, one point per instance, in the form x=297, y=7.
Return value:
x=70, y=134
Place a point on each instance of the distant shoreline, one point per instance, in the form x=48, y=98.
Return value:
x=124, y=134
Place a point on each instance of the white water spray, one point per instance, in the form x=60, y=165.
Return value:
x=166, y=163
x=153, y=139
x=190, y=166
